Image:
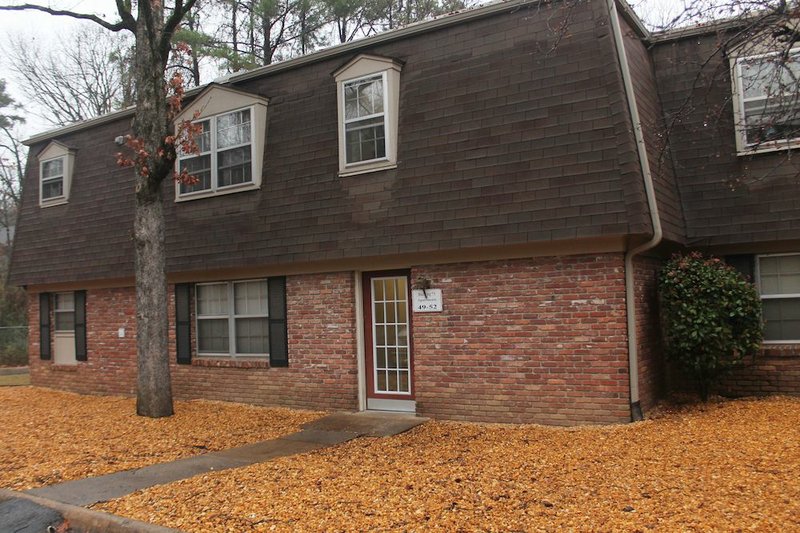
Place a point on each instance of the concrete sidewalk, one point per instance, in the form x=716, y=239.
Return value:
x=327, y=431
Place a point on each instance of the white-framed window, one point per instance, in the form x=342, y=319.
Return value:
x=56, y=162
x=231, y=143
x=225, y=158
x=52, y=179
x=778, y=278
x=368, y=105
x=365, y=119
x=232, y=318
x=64, y=311
x=767, y=103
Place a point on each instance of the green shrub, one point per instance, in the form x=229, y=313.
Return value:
x=711, y=317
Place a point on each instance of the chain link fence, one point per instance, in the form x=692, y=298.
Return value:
x=13, y=345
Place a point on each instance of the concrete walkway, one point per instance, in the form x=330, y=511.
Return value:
x=14, y=370
x=326, y=431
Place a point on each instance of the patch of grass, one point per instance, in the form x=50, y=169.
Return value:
x=15, y=380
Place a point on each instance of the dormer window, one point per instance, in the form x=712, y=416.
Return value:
x=368, y=93
x=231, y=143
x=767, y=106
x=55, y=174
x=365, y=119
x=53, y=179
x=226, y=153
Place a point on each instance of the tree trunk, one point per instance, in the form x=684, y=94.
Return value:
x=152, y=124
x=154, y=393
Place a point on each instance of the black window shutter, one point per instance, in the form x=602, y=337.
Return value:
x=44, y=325
x=80, y=326
x=183, y=323
x=746, y=264
x=278, y=336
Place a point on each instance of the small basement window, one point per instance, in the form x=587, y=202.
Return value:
x=767, y=87
x=778, y=278
x=232, y=319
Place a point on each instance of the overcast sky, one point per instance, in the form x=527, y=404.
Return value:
x=46, y=30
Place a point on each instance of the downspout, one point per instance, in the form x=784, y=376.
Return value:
x=641, y=148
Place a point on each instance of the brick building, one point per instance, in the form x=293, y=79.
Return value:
x=456, y=218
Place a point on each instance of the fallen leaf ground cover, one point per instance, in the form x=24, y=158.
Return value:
x=721, y=467
x=50, y=436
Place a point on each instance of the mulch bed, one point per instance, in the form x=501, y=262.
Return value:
x=725, y=466
x=50, y=436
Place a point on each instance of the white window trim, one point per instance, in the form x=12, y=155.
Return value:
x=63, y=177
x=742, y=146
x=231, y=316
x=774, y=296
x=215, y=189
x=385, y=115
x=362, y=67
x=53, y=151
x=56, y=311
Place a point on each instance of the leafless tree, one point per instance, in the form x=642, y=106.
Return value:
x=85, y=76
x=153, y=26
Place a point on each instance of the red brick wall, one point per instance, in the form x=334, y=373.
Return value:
x=650, y=355
x=110, y=366
x=537, y=340
x=322, y=372
x=776, y=370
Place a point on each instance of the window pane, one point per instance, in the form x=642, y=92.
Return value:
x=363, y=98
x=252, y=335
x=233, y=129
x=771, y=87
x=200, y=168
x=65, y=320
x=251, y=297
x=365, y=140
x=65, y=301
x=782, y=317
x=212, y=300
x=780, y=274
x=234, y=166
x=53, y=188
x=212, y=335
x=53, y=168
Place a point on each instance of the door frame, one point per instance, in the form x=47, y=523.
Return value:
x=369, y=353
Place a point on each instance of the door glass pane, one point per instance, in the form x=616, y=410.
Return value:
x=252, y=335
x=391, y=358
x=391, y=343
x=389, y=289
x=377, y=290
x=212, y=335
x=402, y=357
x=403, y=385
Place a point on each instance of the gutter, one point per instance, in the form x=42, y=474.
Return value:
x=641, y=148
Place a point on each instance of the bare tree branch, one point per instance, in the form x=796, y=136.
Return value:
x=118, y=26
